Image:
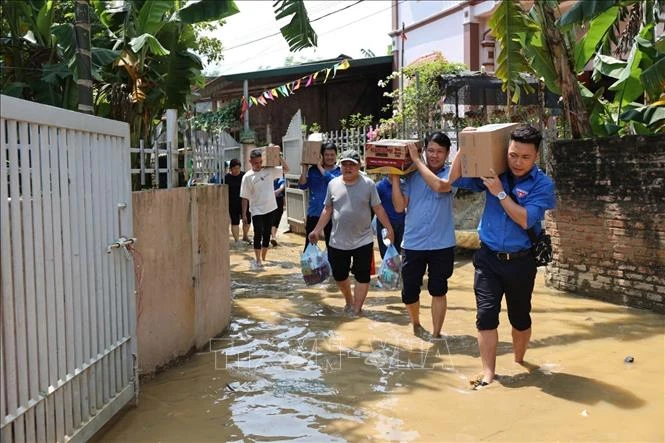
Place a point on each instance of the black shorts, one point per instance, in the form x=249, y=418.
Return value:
x=235, y=212
x=277, y=213
x=495, y=277
x=439, y=265
x=340, y=262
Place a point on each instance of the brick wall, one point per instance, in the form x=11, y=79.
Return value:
x=608, y=230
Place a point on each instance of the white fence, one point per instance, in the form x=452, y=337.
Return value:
x=68, y=307
x=151, y=156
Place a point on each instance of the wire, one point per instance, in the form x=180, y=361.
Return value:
x=271, y=49
x=279, y=33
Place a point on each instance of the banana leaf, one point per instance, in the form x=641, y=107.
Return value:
x=298, y=33
x=595, y=36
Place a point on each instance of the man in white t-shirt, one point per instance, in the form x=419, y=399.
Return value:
x=257, y=191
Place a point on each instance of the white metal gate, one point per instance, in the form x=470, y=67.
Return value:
x=209, y=153
x=296, y=199
x=68, y=306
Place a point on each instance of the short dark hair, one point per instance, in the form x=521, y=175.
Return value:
x=439, y=138
x=328, y=146
x=256, y=153
x=234, y=162
x=527, y=134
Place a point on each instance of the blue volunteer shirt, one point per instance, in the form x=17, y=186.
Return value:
x=385, y=189
x=534, y=191
x=278, y=184
x=318, y=185
x=429, y=223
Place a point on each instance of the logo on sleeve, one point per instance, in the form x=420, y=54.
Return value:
x=521, y=193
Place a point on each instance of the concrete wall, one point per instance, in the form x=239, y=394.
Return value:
x=608, y=230
x=184, y=295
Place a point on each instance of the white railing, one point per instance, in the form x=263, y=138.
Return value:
x=148, y=161
x=68, y=308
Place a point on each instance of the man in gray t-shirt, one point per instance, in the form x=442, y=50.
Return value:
x=349, y=201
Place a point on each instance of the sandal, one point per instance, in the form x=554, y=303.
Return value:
x=477, y=385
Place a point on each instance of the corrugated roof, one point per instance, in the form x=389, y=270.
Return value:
x=302, y=69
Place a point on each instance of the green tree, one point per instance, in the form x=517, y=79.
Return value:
x=557, y=50
x=417, y=109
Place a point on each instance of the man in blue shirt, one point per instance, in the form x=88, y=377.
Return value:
x=429, y=230
x=515, y=201
x=316, y=179
x=385, y=189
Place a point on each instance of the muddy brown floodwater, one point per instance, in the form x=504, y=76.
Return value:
x=293, y=367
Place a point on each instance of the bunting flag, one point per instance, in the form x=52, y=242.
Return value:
x=291, y=87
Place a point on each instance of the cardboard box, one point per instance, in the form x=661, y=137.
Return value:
x=311, y=152
x=271, y=155
x=485, y=148
x=389, y=153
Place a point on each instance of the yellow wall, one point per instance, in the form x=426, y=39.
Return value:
x=184, y=295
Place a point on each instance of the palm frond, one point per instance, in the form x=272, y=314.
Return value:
x=298, y=33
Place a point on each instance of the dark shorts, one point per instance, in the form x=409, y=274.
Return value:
x=277, y=213
x=262, y=228
x=340, y=262
x=310, y=224
x=495, y=277
x=235, y=212
x=439, y=265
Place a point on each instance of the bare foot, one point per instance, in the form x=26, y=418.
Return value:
x=419, y=331
x=530, y=367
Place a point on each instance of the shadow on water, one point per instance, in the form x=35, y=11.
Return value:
x=293, y=366
x=573, y=387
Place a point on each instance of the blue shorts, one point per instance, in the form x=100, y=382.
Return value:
x=340, y=262
x=494, y=277
x=439, y=265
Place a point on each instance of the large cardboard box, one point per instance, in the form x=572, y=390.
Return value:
x=485, y=148
x=311, y=152
x=389, y=156
x=271, y=155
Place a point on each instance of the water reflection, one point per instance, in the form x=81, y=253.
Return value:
x=293, y=367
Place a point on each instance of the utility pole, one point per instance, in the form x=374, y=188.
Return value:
x=83, y=56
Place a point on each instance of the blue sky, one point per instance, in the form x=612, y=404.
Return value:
x=364, y=25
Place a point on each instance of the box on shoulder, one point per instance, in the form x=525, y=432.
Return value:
x=271, y=155
x=391, y=153
x=485, y=148
x=311, y=152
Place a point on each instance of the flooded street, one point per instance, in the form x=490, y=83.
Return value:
x=293, y=367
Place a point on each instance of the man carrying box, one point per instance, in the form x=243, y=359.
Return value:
x=316, y=179
x=257, y=191
x=429, y=230
x=515, y=201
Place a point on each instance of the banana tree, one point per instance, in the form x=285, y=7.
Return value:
x=557, y=50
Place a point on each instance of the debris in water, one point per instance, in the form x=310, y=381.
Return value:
x=230, y=388
x=629, y=359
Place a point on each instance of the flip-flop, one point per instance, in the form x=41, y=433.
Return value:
x=478, y=385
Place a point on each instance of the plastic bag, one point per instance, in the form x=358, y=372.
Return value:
x=390, y=272
x=314, y=265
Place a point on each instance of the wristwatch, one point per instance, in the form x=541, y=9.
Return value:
x=501, y=195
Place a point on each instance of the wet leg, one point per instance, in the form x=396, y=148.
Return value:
x=345, y=288
x=359, y=295
x=520, y=344
x=439, y=306
x=487, y=342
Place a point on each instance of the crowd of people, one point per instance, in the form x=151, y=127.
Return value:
x=414, y=212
